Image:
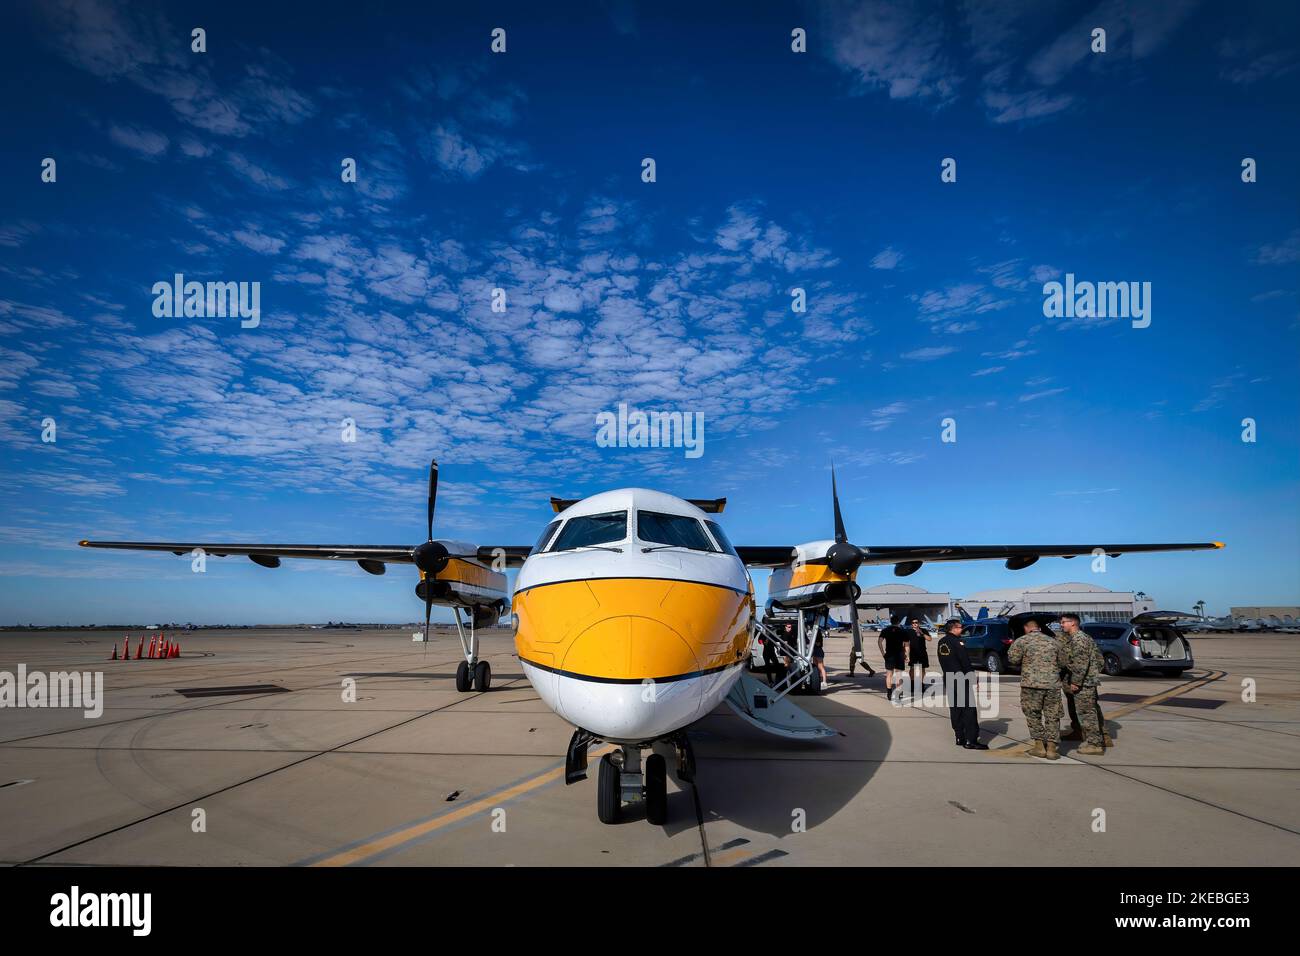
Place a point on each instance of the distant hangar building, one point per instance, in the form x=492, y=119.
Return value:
x=1090, y=601
x=884, y=600
x=1285, y=614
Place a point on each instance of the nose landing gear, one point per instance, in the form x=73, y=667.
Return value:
x=621, y=783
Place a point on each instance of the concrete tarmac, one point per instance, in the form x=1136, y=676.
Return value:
x=272, y=766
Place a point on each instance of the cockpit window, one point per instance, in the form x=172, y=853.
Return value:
x=546, y=537
x=677, y=531
x=720, y=536
x=587, y=530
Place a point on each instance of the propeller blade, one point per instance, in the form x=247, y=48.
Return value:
x=433, y=495
x=840, y=535
x=428, y=612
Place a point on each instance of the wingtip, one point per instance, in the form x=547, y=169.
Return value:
x=1218, y=544
x=83, y=543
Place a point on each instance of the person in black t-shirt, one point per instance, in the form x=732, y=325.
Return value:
x=892, y=641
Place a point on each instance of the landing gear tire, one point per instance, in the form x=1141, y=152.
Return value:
x=482, y=675
x=609, y=796
x=656, y=790
x=1112, y=667
x=814, y=683
x=993, y=663
x=464, y=680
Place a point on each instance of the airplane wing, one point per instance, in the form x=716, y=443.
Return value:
x=897, y=554
x=1017, y=555
x=511, y=554
x=401, y=554
x=764, y=556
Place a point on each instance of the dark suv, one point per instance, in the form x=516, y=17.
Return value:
x=988, y=641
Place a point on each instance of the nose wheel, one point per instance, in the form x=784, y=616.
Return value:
x=609, y=797
x=620, y=783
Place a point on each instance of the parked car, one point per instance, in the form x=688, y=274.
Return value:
x=987, y=641
x=1150, y=641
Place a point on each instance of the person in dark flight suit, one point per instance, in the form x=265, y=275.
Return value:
x=958, y=679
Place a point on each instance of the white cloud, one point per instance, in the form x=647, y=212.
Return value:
x=895, y=46
x=1280, y=253
x=929, y=353
x=144, y=142
x=887, y=258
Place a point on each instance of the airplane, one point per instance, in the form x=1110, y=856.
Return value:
x=1225, y=623
x=983, y=614
x=633, y=615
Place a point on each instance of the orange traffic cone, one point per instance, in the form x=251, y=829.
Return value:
x=114, y=657
x=153, y=647
x=176, y=650
x=126, y=648
x=139, y=651
x=166, y=648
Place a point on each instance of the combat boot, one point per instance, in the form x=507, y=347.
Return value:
x=1076, y=733
x=1037, y=749
x=1092, y=750
x=1051, y=751
x=1107, y=740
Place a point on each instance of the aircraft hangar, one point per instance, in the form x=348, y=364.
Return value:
x=1091, y=601
x=891, y=598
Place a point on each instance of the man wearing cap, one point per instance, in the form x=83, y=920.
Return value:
x=1086, y=667
x=958, y=679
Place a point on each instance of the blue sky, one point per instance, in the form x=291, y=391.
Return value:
x=522, y=171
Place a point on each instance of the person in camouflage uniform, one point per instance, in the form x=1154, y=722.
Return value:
x=1041, y=659
x=1085, y=666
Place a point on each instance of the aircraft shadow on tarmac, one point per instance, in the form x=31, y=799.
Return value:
x=759, y=781
x=428, y=675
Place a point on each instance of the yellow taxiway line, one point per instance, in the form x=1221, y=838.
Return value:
x=1165, y=695
x=391, y=840
x=1019, y=748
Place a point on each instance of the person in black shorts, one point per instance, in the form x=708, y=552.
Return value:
x=918, y=656
x=892, y=641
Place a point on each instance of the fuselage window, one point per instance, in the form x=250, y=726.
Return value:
x=677, y=531
x=546, y=537
x=588, y=530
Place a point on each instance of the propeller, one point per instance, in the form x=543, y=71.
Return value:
x=845, y=558
x=431, y=556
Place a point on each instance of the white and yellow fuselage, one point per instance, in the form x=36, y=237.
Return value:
x=630, y=639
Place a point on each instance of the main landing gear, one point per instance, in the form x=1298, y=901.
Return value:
x=622, y=782
x=471, y=673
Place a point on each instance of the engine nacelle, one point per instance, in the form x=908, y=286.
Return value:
x=486, y=616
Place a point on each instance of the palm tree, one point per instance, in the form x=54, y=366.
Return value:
x=1199, y=608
